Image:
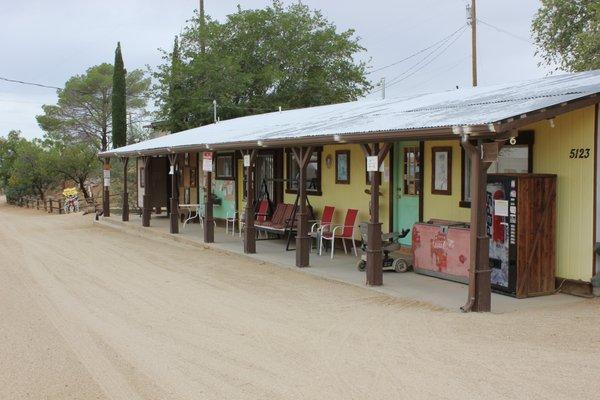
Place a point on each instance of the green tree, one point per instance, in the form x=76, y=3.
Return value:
x=8, y=155
x=119, y=107
x=84, y=111
x=258, y=60
x=77, y=162
x=32, y=170
x=567, y=33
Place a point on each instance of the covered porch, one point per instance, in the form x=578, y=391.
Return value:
x=437, y=293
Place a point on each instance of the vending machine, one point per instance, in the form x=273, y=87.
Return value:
x=521, y=222
x=502, y=230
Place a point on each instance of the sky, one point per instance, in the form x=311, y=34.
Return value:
x=49, y=41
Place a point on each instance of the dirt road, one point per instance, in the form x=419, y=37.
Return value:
x=90, y=313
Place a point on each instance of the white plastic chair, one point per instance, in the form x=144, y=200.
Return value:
x=230, y=218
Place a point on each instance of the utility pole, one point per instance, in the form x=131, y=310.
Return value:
x=202, y=23
x=472, y=20
x=215, y=110
x=382, y=83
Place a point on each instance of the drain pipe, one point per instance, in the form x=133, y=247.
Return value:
x=470, y=151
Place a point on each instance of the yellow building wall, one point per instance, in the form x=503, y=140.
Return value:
x=438, y=206
x=345, y=196
x=575, y=187
x=575, y=193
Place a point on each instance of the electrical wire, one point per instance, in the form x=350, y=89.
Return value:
x=29, y=83
x=417, y=53
x=442, y=70
x=504, y=31
x=425, y=61
x=432, y=59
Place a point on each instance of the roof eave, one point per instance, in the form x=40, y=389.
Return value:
x=440, y=133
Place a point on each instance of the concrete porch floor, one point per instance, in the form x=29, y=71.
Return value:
x=437, y=292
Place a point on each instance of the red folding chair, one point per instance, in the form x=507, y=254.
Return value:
x=343, y=232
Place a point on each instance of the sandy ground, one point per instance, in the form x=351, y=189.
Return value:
x=90, y=313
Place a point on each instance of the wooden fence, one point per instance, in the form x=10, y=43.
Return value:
x=50, y=205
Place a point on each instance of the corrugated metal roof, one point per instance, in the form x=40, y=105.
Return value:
x=462, y=107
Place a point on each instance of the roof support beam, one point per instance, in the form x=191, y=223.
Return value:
x=106, y=188
x=374, y=237
x=146, y=204
x=249, y=231
x=302, y=156
x=125, y=206
x=174, y=200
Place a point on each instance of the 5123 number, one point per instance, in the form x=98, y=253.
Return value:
x=579, y=153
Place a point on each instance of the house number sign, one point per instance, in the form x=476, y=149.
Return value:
x=580, y=153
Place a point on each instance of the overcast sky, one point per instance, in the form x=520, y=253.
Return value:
x=49, y=41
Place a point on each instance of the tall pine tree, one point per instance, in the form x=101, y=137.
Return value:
x=119, y=107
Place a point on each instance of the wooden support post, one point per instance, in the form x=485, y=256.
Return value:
x=479, y=271
x=374, y=254
x=209, y=222
x=125, y=206
x=174, y=201
x=302, y=156
x=249, y=232
x=146, y=205
x=106, y=188
x=60, y=206
x=50, y=206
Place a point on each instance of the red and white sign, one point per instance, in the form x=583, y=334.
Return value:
x=207, y=161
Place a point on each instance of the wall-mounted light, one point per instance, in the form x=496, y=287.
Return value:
x=328, y=161
x=338, y=138
x=260, y=143
x=512, y=140
x=551, y=121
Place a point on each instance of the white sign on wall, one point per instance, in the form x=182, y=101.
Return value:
x=207, y=163
x=372, y=164
x=107, y=177
x=246, y=160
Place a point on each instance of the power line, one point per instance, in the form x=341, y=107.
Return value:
x=29, y=83
x=429, y=62
x=427, y=59
x=504, y=31
x=442, y=70
x=417, y=53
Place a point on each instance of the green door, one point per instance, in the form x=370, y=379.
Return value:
x=407, y=186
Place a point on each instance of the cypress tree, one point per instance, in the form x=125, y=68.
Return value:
x=177, y=122
x=119, y=107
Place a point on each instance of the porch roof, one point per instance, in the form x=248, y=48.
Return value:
x=481, y=110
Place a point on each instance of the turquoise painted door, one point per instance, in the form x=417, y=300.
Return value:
x=407, y=184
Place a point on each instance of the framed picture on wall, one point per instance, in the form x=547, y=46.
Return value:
x=342, y=166
x=441, y=170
